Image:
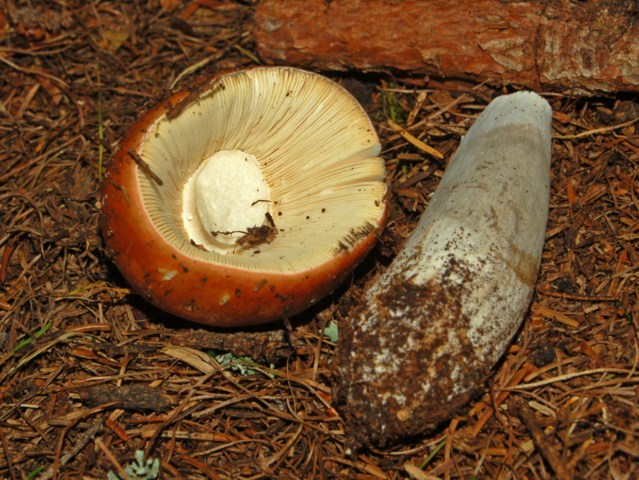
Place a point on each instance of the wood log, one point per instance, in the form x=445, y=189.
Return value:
x=560, y=45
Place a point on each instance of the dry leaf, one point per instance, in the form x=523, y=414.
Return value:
x=196, y=359
x=417, y=473
x=170, y=5
x=114, y=38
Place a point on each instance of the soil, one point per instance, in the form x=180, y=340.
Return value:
x=90, y=373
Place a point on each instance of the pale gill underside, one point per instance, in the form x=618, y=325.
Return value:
x=315, y=144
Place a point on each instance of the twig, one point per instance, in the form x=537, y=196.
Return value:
x=414, y=140
x=100, y=126
x=200, y=465
x=81, y=442
x=72, y=332
x=596, y=131
x=201, y=64
x=574, y=296
x=35, y=160
x=569, y=376
x=549, y=452
x=145, y=167
x=284, y=450
x=7, y=455
x=33, y=71
x=114, y=461
x=497, y=400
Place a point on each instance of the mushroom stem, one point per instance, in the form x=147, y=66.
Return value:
x=443, y=313
x=225, y=197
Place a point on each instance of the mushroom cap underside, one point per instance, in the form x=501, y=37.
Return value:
x=318, y=151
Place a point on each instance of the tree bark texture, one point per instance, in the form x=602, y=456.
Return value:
x=560, y=45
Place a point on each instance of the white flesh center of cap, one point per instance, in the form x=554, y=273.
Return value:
x=225, y=197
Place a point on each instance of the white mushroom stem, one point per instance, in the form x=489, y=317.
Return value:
x=226, y=196
x=443, y=313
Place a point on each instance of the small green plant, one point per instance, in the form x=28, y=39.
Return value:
x=139, y=469
x=432, y=454
x=331, y=331
x=36, y=335
x=34, y=473
x=392, y=107
x=242, y=365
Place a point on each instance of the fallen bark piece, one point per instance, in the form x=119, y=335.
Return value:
x=575, y=47
x=270, y=346
x=128, y=397
x=436, y=322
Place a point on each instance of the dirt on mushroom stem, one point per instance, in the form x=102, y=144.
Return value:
x=391, y=341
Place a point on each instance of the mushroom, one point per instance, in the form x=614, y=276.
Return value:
x=245, y=198
x=438, y=319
